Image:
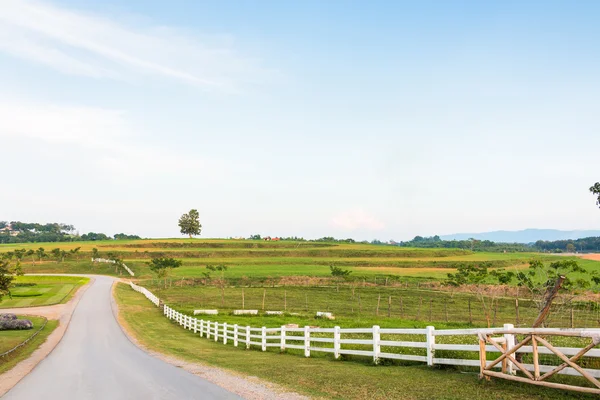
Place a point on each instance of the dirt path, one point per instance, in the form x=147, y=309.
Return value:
x=595, y=257
x=63, y=313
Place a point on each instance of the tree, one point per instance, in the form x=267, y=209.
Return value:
x=56, y=254
x=473, y=277
x=570, y=248
x=41, y=253
x=190, y=223
x=162, y=266
x=595, y=190
x=337, y=272
x=5, y=279
x=547, y=282
x=95, y=253
x=31, y=253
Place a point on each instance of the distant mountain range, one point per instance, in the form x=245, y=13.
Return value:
x=524, y=236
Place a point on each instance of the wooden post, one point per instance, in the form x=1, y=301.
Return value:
x=495, y=312
x=430, y=308
x=376, y=345
x=470, y=314
x=222, y=296
x=536, y=358
x=243, y=300
x=386, y=280
x=306, y=301
x=336, y=342
x=430, y=345
x=306, y=341
x=285, y=300
x=419, y=309
x=389, y=306
x=572, y=317
x=264, y=295
x=516, y=312
x=282, y=344
x=482, y=358
x=359, y=305
x=401, y=308
x=446, y=310
x=378, y=301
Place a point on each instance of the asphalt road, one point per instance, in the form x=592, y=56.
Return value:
x=95, y=360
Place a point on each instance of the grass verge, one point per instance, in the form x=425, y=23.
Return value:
x=317, y=377
x=31, y=291
x=12, y=359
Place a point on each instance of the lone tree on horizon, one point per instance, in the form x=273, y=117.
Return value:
x=596, y=192
x=190, y=223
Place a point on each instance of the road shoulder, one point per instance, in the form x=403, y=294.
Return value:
x=61, y=312
x=250, y=388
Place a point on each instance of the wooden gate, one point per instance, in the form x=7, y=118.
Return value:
x=536, y=338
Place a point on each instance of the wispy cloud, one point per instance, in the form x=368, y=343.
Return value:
x=94, y=46
x=357, y=219
x=107, y=137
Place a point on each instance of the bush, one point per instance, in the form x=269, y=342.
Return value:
x=5, y=317
x=14, y=324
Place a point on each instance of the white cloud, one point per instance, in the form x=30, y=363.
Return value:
x=110, y=139
x=84, y=44
x=351, y=220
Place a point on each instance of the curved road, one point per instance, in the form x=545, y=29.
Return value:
x=95, y=360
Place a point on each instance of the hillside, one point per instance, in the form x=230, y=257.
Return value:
x=524, y=236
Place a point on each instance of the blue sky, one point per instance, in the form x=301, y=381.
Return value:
x=350, y=119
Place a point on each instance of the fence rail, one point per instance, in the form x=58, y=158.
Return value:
x=337, y=339
x=106, y=260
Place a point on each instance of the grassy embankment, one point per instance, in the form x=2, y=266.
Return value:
x=258, y=259
x=341, y=380
x=33, y=291
x=11, y=339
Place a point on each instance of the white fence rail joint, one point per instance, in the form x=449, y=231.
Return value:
x=335, y=340
x=105, y=260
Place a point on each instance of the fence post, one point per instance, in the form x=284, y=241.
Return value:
x=376, y=346
x=306, y=341
x=247, y=337
x=201, y=328
x=430, y=345
x=282, y=346
x=336, y=342
x=195, y=325
x=510, y=343
x=235, y=335
x=216, y=331
x=264, y=338
x=224, y=332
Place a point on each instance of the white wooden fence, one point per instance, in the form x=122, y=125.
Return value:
x=302, y=338
x=105, y=260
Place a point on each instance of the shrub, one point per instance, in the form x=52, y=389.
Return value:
x=15, y=324
x=5, y=317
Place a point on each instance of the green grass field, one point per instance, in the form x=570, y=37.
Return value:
x=10, y=339
x=335, y=379
x=44, y=291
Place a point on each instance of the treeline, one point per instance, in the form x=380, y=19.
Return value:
x=589, y=244
x=434, y=242
x=26, y=232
